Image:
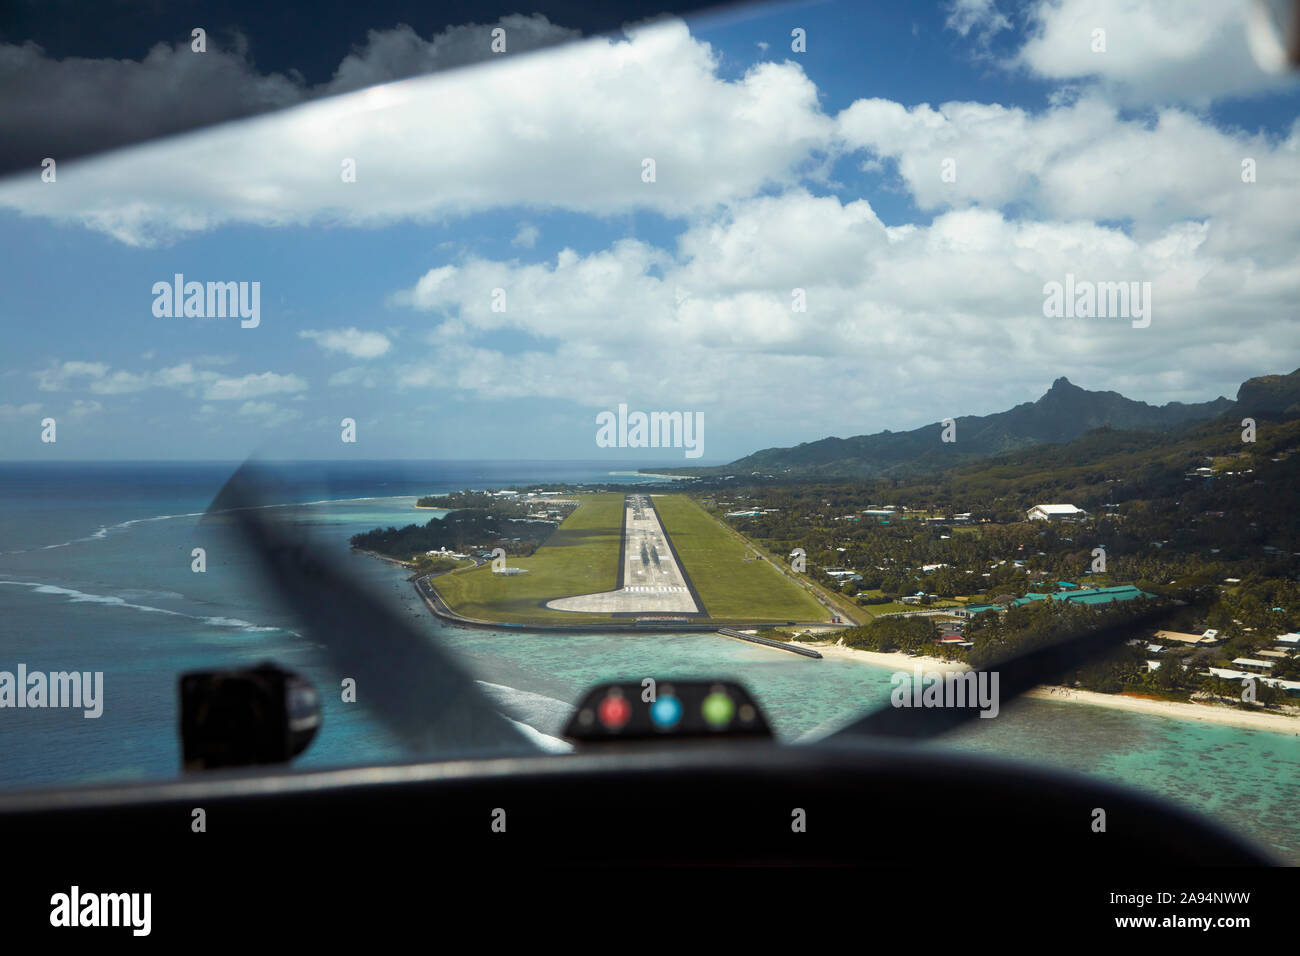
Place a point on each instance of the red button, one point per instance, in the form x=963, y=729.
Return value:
x=614, y=712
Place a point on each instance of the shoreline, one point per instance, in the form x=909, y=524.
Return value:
x=409, y=565
x=1223, y=714
x=895, y=660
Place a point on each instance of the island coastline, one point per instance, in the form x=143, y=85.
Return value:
x=1280, y=722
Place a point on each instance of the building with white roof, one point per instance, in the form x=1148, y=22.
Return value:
x=1292, y=687
x=1055, y=513
x=1208, y=639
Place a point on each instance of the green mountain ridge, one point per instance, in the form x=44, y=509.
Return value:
x=1064, y=413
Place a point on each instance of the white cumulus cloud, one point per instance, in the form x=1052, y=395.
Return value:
x=350, y=341
x=570, y=127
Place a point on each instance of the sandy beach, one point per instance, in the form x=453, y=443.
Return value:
x=894, y=660
x=1213, y=712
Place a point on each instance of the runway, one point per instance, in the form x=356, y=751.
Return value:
x=652, y=580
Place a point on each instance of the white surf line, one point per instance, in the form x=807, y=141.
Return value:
x=82, y=597
x=104, y=530
x=545, y=741
x=512, y=703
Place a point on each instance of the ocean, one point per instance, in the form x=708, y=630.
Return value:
x=95, y=575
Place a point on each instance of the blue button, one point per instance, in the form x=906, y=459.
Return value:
x=666, y=712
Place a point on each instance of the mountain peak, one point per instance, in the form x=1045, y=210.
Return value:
x=1062, y=414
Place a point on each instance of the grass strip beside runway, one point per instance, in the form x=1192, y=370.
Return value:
x=730, y=587
x=579, y=558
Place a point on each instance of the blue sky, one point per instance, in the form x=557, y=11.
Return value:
x=776, y=170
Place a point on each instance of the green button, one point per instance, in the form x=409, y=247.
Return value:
x=718, y=709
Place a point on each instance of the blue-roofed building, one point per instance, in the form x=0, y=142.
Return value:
x=1089, y=596
x=970, y=610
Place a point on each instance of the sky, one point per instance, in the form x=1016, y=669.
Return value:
x=838, y=239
